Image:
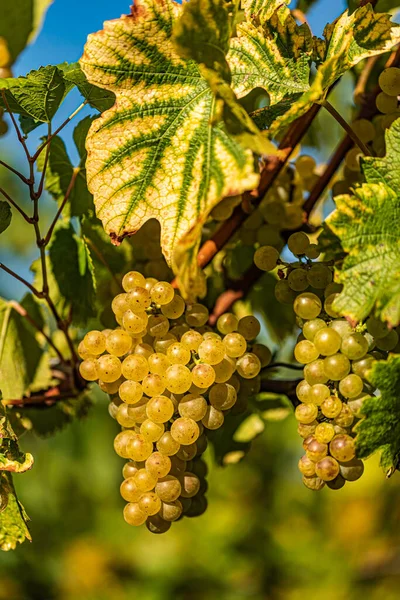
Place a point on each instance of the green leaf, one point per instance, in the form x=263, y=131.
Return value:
x=98, y=97
x=37, y=95
x=19, y=353
x=262, y=9
x=380, y=427
x=224, y=445
x=155, y=153
x=249, y=429
x=367, y=224
x=350, y=39
x=5, y=215
x=13, y=518
x=72, y=269
x=20, y=21
x=34, y=309
x=11, y=458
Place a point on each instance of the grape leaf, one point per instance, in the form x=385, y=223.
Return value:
x=19, y=353
x=156, y=153
x=13, y=518
x=20, y=21
x=380, y=427
x=98, y=97
x=202, y=34
x=37, y=95
x=263, y=10
x=386, y=169
x=11, y=458
x=350, y=39
x=5, y=215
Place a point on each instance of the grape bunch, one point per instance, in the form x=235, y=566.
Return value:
x=171, y=379
x=336, y=359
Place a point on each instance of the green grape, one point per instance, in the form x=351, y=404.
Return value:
x=283, y=292
x=197, y=507
x=144, y=480
x=310, y=328
x=222, y=396
x=185, y=431
x=352, y=470
x=133, y=514
x=308, y=440
x=276, y=213
x=319, y=276
x=313, y=251
x=305, y=352
x=138, y=299
x=134, y=322
x=306, y=413
x=160, y=409
x=370, y=340
x=298, y=243
x=327, y=468
x=190, y=485
x=129, y=490
x=158, y=325
x=222, y=211
x=307, y=306
x=297, y=280
x=89, y=369
x=149, y=503
x=150, y=283
x=253, y=222
x=249, y=327
x=121, y=442
x=389, y=342
x=235, y=382
x=118, y=342
x=196, y=315
x=362, y=367
x=306, y=466
x=227, y=323
x=213, y=419
x=345, y=418
x=352, y=159
x=168, y=488
x=174, y=309
x=328, y=306
x=178, y=466
x=354, y=346
x=187, y=453
x=111, y=388
x=120, y=305
x=248, y=366
x=324, y=432
x=143, y=349
x=342, y=448
x=269, y=236
x=130, y=414
x=139, y=448
x=130, y=391
x=389, y=81
x=331, y=407
x=303, y=391
x=266, y=258
x=151, y=431
x=95, y=342
x=313, y=483
x=377, y=328
x=333, y=288
x=162, y=293
x=203, y=375
x=178, y=354
x=224, y=370
x=356, y=404
x=327, y=341
x=385, y=103
x=263, y=353
x=314, y=372
x=341, y=326
x=161, y=344
x=337, y=483
x=364, y=129
x=83, y=351
x=156, y=524
x=234, y=345
x=318, y=393
x=351, y=386
x=129, y=469
x=192, y=339
x=178, y=379
x=305, y=166
x=108, y=368
x=132, y=280
x=316, y=451
x=294, y=218
x=387, y=120
x=306, y=431
x=135, y=367
x=158, y=464
x=211, y=351
x=336, y=366
x=171, y=511
x=158, y=363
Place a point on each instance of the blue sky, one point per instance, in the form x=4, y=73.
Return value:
x=62, y=38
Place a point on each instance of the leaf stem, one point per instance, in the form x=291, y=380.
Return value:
x=10, y=168
x=22, y=280
x=27, y=218
x=285, y=365
x=71, y=184
x=332, y=110
x=21, y=311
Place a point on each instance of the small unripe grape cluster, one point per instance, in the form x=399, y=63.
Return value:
x=336, y=359
x=171, y=379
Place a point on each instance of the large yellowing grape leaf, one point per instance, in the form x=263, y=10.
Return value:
x=156, y=153
x=350, y=39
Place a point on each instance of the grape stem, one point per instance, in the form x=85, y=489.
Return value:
x=285, y=365
x=282, y=386
x=45, y=399
x=332, y=110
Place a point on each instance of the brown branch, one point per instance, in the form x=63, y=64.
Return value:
x=43, y=400
x=22, y=280
x=10, y=168
x=359, y=90
x=279, y=386
x=15, y=205
x=21, y=311
x=70, y=187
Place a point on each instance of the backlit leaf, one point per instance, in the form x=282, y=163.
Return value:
x=13, y=518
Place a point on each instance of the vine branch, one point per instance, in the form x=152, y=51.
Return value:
x=22, y=280
x=15, y=205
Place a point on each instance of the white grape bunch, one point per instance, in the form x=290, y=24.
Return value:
x=171, y=379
